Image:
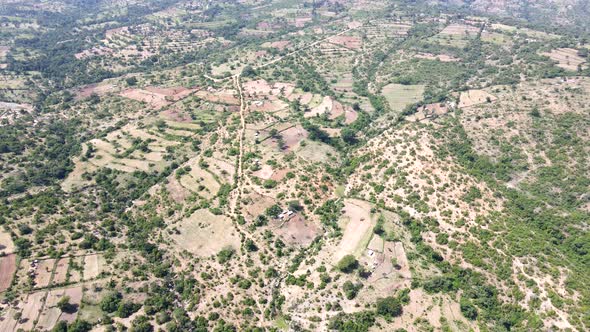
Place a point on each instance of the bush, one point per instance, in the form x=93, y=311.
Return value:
x=468, y=309
x=269, y=184
x=357, y=322
x=225, y=254
x=65, y=306
x=127, y=309
x=389, y=307
x=378, y=229
x=111, y=302
x=347, y=264
x=141, y=324
x=350, y=289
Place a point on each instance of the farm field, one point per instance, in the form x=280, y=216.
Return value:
x=566, y=58
x=7, y=269
x=205, y=234
x=399, y=96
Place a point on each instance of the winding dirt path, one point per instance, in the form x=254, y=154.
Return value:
x=241, y=135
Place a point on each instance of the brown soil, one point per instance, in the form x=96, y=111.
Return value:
x=297, y=231
x=7, y=270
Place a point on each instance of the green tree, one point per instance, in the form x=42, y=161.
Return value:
x=110, y=303
x=64, y=304
x=141, y=324
x=348, y=135
x=225, y=254
x=389, y=307
x=347, y=264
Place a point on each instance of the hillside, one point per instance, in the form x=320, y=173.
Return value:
x=278, y=165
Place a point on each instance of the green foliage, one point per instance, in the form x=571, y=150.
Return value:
x=356, y=322
x=316, y=133
x=347, y=264
x=330, y=212
x=351, y=289
x=273, y=211
x=110, y=303
x=225, y=254
x=378, y=229
x=79, y=325
x=269, y=184
x=468, y=309
x=389, y=307
x=141, y=324
x=473, y=194
x=348, y=135
x=126, y=309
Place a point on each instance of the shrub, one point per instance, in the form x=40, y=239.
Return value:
x=347, y=264
x=225, y=254
x=269, y=184
x=350, y=289
x=389, y=307
x=110, y=302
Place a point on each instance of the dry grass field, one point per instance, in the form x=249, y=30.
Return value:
x=357, y=226
x=566, y=58
x=475, y=97
x=94, y=265
x=61, y=270
x=44, y=273
x=205, y=234
x=399, y=96
x=6, y=244
x=297, y=231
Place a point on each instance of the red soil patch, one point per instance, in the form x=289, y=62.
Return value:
x=332, y=132
x=304, y=99
x=265, y=172
x=111, y=32
x=269, y=105
x=177, y=192
x=298, y=231
x=88, y=90
x=264, y=88
x=460, y=29
x=293, y=136
x=280, y=45
x=354, y=25
x=7, y=270
x=280, y=174
x=264, y=26
x=222, y=97
x=75, y=295
x=176, y=115
x=440, y=57
x=337, y=110
x=153, y=99
x=301, y=21
x=347, y=41
x=260, y=54
x=61, y=269
x=95, y=51
x=43, y=273
x=350, y=116
x=157, y=97
x=175, y=92
x=257, y=87
x=256, y=204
